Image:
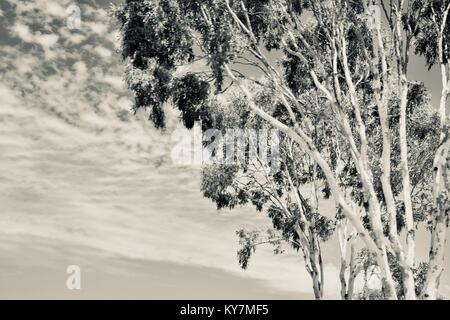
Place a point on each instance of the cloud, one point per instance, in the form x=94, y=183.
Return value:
x=76, y=167
x=55, y=9
x=103, y=52
x=115, y=81
x=23, y=32
x=45, y=41
x=97, y=28
x=8, y=96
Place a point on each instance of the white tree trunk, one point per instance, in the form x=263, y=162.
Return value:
x=441, y=194
x=408, y=277
x=442, y=183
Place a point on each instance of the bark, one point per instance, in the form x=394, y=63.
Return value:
x=441, y=194
x=345, y=240
x=408, y=277
x=353, y=271
x=438, y=236
x=343, y=251
x=402, y=55
x=317, y=269
x=313, y=261
x=441, y=180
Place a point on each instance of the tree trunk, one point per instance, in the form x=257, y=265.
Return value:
x=408, y=277
x=316, y=266
x=441, y=185
x=438, y=235
x=353, y=272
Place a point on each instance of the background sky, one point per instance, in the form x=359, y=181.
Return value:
x=85, y=182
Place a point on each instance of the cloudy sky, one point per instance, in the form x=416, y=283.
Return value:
x=83, y=181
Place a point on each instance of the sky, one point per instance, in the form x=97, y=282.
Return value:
x=80, y=173
x=84, y=181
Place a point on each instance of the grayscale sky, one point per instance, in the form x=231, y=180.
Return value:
x=83, y=181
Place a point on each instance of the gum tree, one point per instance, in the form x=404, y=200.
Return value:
x=286, y=189
x=432, y=42
x=331, y=53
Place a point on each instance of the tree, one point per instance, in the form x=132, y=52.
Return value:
x=433, y=43
x=337, y=72
x=281, y=194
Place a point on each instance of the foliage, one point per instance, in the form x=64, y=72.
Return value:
x=351, y=123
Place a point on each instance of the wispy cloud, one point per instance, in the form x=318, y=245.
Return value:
x=78, y=167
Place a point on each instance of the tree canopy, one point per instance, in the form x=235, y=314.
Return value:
x=337, y=88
